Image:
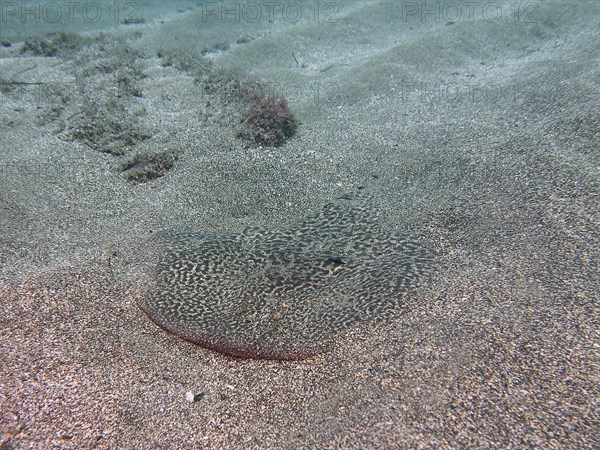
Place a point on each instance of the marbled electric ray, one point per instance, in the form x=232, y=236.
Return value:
x=279, y=294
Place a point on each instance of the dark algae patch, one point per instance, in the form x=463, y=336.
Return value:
x=104, y=106
x=278, y=294
x=54, y=44
x=107, y=127
x=268, y=120
x=146, y=165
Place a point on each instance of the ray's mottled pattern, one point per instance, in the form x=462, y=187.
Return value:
x=280, y=294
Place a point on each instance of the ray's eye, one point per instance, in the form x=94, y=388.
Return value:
x=336, y=260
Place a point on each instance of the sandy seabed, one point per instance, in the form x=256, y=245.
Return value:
x=479, y=136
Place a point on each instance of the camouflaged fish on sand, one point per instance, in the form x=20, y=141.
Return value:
x=279, y=294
